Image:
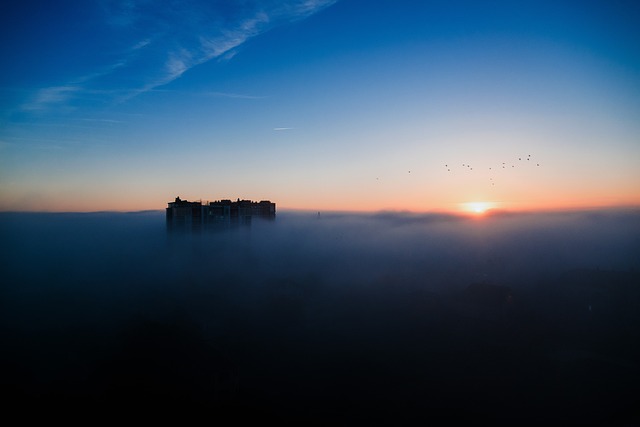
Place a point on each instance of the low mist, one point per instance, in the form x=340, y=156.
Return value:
x=363, y=316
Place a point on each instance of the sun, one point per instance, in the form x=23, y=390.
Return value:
x=477, y=208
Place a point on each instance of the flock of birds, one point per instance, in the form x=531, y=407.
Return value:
x=495, y=168
x=514, y=164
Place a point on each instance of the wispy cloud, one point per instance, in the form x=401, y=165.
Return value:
x=178, y=62
x=227, y=56
x=141, y=44
x=303, y=9
x=204, y=42
x=47, y=97
x=86, y=85
x=232, y=37
x=171, y=40
x=280, y=129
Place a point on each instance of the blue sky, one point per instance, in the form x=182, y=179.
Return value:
x=320, y=104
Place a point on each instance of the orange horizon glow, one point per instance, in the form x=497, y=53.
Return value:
x=476, y=208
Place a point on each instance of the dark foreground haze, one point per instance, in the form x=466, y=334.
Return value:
x=332, y=319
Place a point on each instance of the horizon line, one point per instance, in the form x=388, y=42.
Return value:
x=487, y=213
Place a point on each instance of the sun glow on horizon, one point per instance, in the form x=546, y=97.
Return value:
x=477, y=208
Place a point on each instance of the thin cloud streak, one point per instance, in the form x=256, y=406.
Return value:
x=304, y=9
x=233, y=38
x=55, y=96
x=50, y=96
x=141, y=44
x=198, y=34
x=229, y=37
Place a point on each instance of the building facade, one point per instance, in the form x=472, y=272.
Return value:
x=183, y=213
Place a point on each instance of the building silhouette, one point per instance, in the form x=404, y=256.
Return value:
x=183, y=213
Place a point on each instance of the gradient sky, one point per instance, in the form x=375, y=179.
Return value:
x=319, y=104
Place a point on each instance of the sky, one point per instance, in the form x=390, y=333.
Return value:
x=343, y=105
